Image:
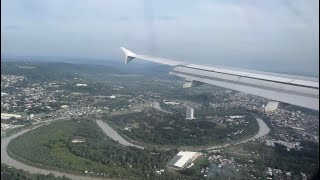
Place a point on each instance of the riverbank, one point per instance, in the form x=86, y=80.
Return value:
x=110, y=132
x=113, y=134
x=263, y=130
x=6, y=159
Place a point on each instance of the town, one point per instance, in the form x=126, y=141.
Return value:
x=27, y=101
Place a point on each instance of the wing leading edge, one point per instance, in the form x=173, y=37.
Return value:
x=297, y=90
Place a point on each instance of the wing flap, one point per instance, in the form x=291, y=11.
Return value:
x=296, y=90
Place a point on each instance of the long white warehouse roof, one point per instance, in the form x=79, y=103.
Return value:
x=10, y=115
x=185, y=157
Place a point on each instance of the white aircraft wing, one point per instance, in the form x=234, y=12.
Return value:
x=297, y=90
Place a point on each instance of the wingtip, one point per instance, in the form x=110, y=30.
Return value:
x=128, y=55
x=123, y=49
x=127, y=52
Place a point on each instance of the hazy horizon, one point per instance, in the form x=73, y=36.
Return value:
x=263, y=35
x=136, y=63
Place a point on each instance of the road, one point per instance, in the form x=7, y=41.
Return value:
x=6, y=159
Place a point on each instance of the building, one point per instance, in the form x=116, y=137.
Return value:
x=272, y=106
x=78, y=141
x=64, y=106
x=112, y=97
x=190, y=113
x=6, y=116
x=3, y=94
x=183, y=159
x=82, y=85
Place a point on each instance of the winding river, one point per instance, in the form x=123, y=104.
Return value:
x=6, y=159
x=114, y=134
x=263, y=130
x=110, y=132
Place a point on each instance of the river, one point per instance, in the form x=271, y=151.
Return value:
x=156, y=105
x=110, y=132
x=263, y=130
x=6, y=159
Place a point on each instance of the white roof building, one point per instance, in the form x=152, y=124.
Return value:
x=272, y=106
x=184, y=158
x=8, y=116
x=81, y=85
x=190, y=113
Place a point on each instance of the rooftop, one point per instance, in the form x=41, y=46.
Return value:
x=10, y=115
x=185, y=156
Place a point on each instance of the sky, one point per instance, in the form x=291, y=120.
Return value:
x=275, y=35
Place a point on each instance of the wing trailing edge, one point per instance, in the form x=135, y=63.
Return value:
x=297, y=90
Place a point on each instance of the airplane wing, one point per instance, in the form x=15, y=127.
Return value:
x=297, y=90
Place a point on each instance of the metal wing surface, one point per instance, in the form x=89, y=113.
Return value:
x=297, y=90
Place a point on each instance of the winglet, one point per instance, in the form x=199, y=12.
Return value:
x=129, y=55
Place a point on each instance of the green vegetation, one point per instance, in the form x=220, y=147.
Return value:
x=305, y=160
x=8, y=172
x=199, y=164
x=51, y=71
x=158, y=128
x=227, y=172
x=202, y=164
x=48, y=146
x=51, y=147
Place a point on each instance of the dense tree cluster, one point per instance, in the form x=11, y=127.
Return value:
x=8, y=172
x=109, y=152
x=157, y=128
x=51, y=146
x=294, y=161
